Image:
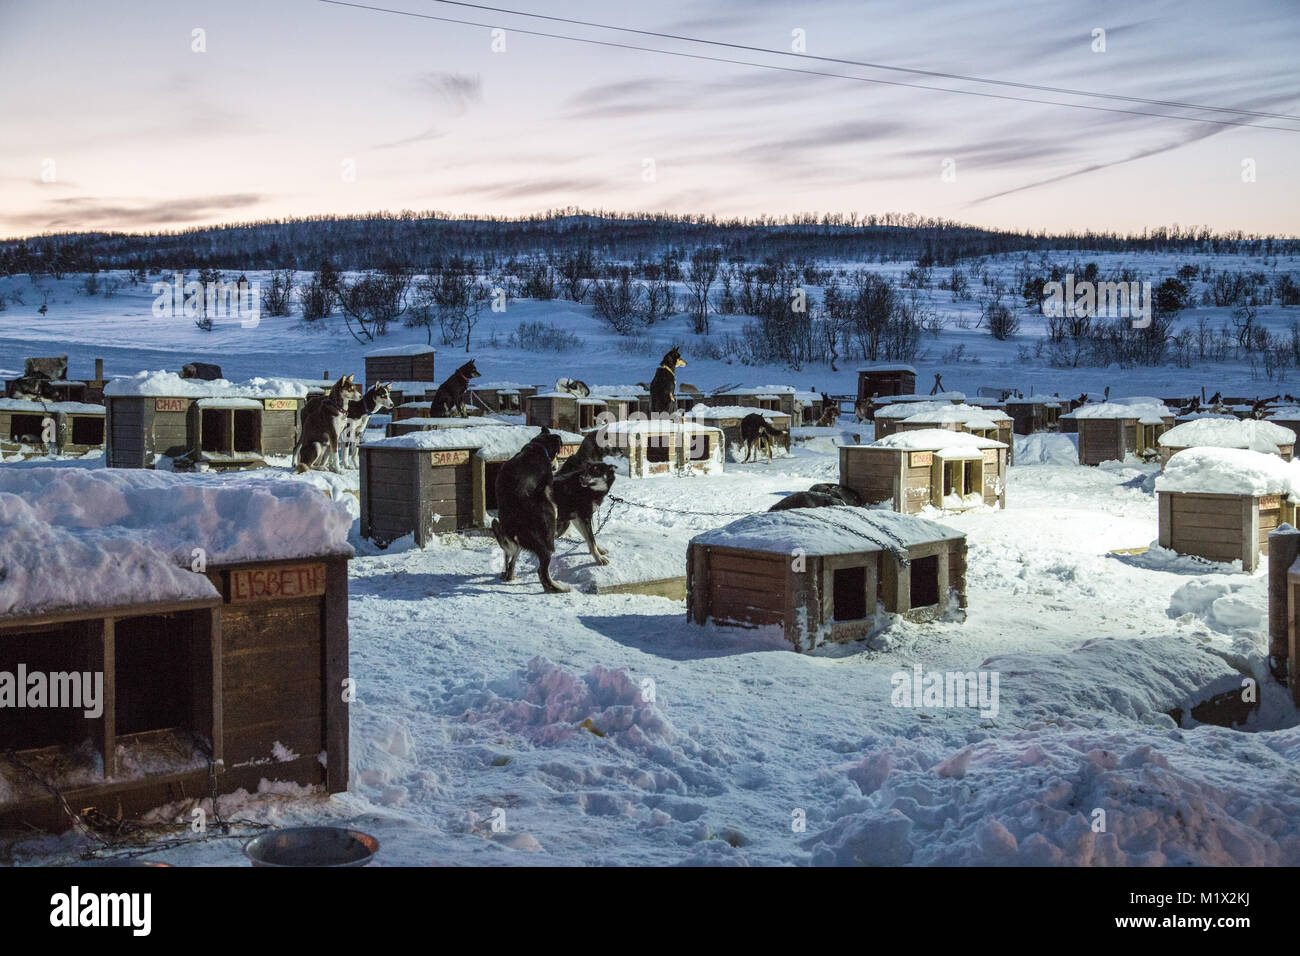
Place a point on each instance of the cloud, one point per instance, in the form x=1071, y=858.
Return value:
x=454, y=91
x=87, y=212
x=544, y=187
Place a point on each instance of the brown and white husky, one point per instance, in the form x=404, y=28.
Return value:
x=323, y=419
x=377, y=398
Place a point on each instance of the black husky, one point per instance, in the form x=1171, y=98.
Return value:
x=756, y=434
x=807, y=499
x=527, y=516
x=846, y=494
x=449, y=400
x=663, y=387
x=579, y=493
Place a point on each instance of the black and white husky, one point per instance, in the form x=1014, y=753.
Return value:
x=377, y=398
x=323, y=419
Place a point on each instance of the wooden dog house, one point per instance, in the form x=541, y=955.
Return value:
x=810, y=407
x=823, y=574
x=974, y=420
x=72, y=428
x=623, y=400
x=884, y=380
x=772, y=398
x=198, y=424
x=1262, y=436
x=434, y=482
x=1111, y=431
x=209, y=681
x=400, y=363
x=909, y=471
x=665, y=447
x=1221, y=503
x=1034, y=414
x=727, y=418
x=563, y=411
x=506, y=398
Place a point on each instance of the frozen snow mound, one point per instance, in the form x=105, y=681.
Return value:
x=1229, y=471
x=1047, y=448
x=1228, y=432
x=971, y=415
x=73, y=537
x=1148, y=411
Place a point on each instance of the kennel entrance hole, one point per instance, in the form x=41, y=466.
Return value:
x=849, y=594
x=87, y=430
x=26, y=428
x=213, y=426
x=155, y=687
x=247, y=430
x=925, y=582
x=699, y=448
x=59, y=649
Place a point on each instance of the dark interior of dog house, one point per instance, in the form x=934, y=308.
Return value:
x=227, y=430
x=850, y=594
x=699, y=447
x=25, y=428
x=586, y=417
x=155, y=652
x=87, y=430
x=57, y=649
x=925, y=582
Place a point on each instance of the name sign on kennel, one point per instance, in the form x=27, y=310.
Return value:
x=1269, y=502
x=458, y=457
x=170, y=404
x=279, y=404
x=287, y=581
x=920, y=459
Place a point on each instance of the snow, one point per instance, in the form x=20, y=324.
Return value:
x=477, y=695
x=493, y=442
x=62, y=408
x=1248, y=433
x=826, y=531
x=170, y=385
x=887, y=368
x=945, y=443
x=935, y=411
x=400, y=350
x=102, y=538
x=1148, y=411
x=713, y=413
x=1229, y=471
x=949, y=397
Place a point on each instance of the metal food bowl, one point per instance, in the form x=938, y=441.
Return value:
x=312, y=846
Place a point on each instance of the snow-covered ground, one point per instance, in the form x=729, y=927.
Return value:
x=497, y=724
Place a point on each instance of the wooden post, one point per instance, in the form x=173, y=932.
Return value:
x=335, y=671
x=1250, y=532
x=1283, y=549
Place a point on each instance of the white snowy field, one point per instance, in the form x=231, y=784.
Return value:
x=122, y=330
x=499, y=725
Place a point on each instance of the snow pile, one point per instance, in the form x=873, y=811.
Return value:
x=947, y=444
x=548, y=704
x=1228, y=433
x=171, y=385
x=824, y=531
x=74, y=537
x=1031, y=794
x=1229, y=471
x=1047, y=448
x=941, y=413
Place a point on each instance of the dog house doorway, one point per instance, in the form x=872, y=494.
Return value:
x=699, y=447
x=87, y=430
x=26, y=428
x=924, y=586
x=959, y=478
x=849, y=594
x=230, y=431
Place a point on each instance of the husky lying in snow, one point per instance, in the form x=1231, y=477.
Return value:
x=323, y=419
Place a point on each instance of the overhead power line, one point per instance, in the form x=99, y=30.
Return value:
x=801, y=70
x=875, y=66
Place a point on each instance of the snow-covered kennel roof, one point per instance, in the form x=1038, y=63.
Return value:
x=1228, y=433
x=165, y=384
x=827, y=531
x=1230, y=471
x=947, y=444
x=490, y=441
x=73, y=538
